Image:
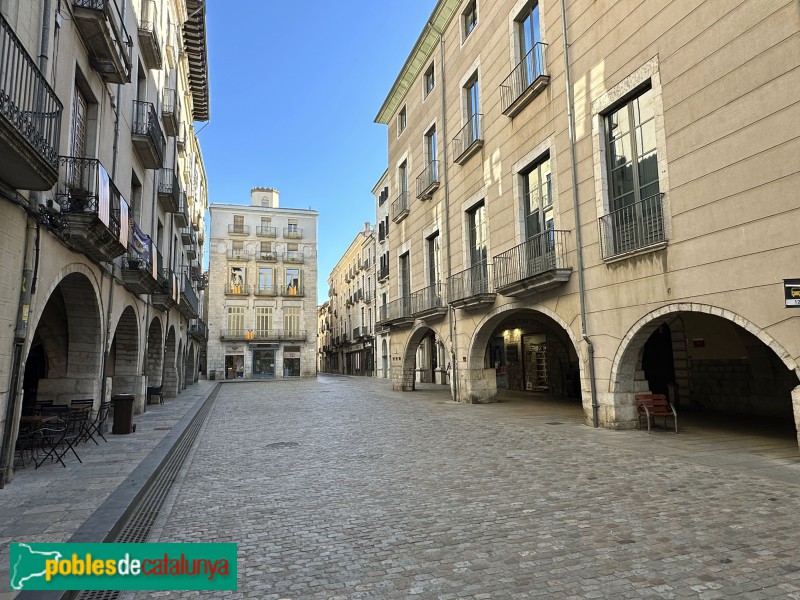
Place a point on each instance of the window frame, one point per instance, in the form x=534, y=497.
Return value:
x=402, y=120
x=469, y=19
x=428, y=80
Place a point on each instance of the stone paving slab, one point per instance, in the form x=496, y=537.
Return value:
x=51, y=503
x=341, y=488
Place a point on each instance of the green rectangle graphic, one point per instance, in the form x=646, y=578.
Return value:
x=123, y=566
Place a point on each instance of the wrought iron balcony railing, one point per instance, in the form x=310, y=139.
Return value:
x=633, y=227
x=383, y=273
x=429, y=299
x=400, y=207
x=428, y=181
x=262, y=335
x=292, y=290
x=543, y=254
x=234, y=229
x=293, y=257
x=267, y=256
x=293, y=233
x=149, y=44
x=469, y=140
x=198, y=329
x=102, y=28
x=265, y=231
x=30, y=118
x=147, y=136
x=237, y=290
x=170, y=111
x=525, y=82
x=266, y=290
x=238, y=254
x=94, y=210
x=189, y=302
x=474, y=283
x=169, y=190
x=397, y=311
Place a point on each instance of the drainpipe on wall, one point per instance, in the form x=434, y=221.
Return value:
x=578, y=242
x=450, y=310
x=30, y=261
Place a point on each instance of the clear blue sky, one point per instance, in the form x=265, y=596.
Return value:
x=294, y=92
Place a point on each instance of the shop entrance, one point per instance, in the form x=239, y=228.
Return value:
x=291, y=361
x=234, y=366
x=264, y=363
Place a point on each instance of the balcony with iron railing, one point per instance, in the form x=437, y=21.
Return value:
x=140, y=267
x=189, y=302
x=266, y=231
x=169, y=294
x=94, y=212
x=236, y=229
x=102, y=28
x=146, y=135
x=30, y=118
x=237, y=290
x=429, y=302
x=267, y=256
x=469, y=140
x=180, y=138
x=400, y=207
x=428, y=181
x=472, y=288
x=537, y=264
x=292, y=233
x=383, y=273
x=293, y=290
x=237, y=254
x=263, y=335
x=526, y=81
x=149, y=44
x=181, y=216
x=397, y=313
x=633, y=228
x=170, y=111
x=293, y=257
x=198, y=330
x=266, y=290
x=169, y=190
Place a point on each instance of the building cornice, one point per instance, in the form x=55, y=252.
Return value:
x=418, y=59
x=262, y=209
x=194, y=41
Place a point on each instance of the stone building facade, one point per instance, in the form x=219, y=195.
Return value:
x=262, y=289
x=599, y=202
x=102, y=201
x=380, y=191
x=349, y=327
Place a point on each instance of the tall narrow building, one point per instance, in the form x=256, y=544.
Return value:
x=262, y=289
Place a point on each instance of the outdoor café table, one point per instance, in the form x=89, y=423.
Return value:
x=33, y=423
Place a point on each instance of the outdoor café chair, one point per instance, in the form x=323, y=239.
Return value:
x=99, y=423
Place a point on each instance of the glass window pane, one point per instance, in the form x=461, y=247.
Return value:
x=648, y=169
x=646, y=137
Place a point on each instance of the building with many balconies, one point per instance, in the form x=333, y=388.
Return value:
x=262, y=289
x=605, y=204
x=349, y=346
x=102, y=197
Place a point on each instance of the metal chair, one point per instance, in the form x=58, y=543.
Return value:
x=99, y=423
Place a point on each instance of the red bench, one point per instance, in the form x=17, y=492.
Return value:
x=650, y=406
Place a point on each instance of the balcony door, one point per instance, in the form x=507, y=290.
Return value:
x=77, y=173
x=528, y=36
x=404, y=272
x=478, y=281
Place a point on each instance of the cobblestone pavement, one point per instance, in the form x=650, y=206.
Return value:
x=341, y=488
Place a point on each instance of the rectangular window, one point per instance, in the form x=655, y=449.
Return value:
x=266, y=221
x=291, y=318
x=237, y=280
x=291, y=247
x=469, y=18
x=538, y=197
x=292, y=225
x=429, y=80
x=404, y=273
x=636, y=218
x=236, y=320
x=266, y=248
x=266, y=280
x=471, y=98
x=238, y=224
x=293, y=282
x=434, y=259
x=402, y=178
x=430, y=145
x=263, y=320
x=401, y=120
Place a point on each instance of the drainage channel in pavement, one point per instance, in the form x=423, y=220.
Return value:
x=140, y=523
